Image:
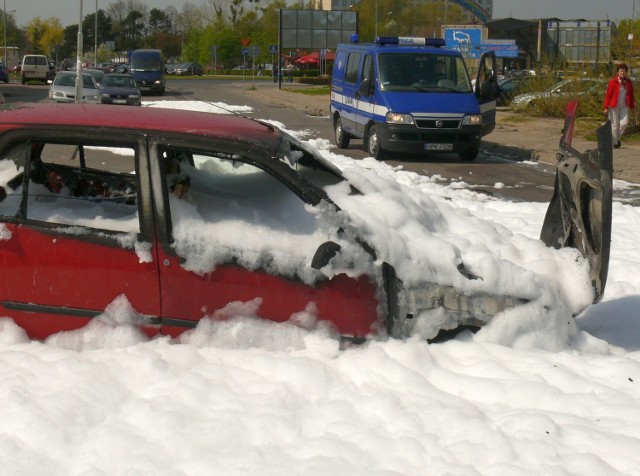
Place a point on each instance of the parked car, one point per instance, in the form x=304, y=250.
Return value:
x=122, y=68
x=567, y=89
x=188, y=69
x=120, y=89
x=513, y=86
x=35, y=67
x=63, y=88
x=106, y=67
x=97, y=74
x=97, y=204
x=4, y=73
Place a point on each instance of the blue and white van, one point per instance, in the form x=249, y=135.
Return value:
x=412, y=96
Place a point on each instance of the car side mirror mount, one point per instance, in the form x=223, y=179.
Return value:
x=324, y=254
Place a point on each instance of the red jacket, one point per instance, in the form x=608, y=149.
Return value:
x=613, y=90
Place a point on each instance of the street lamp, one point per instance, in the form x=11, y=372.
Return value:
x=95, y=44
x=633, y=20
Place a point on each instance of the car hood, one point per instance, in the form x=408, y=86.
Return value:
x=72, y=89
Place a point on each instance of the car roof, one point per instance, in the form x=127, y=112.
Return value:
x=399, y=49
x=142, y=119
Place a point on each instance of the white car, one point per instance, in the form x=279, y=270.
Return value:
x=63, y=88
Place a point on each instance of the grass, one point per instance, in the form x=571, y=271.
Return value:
x=311, y=91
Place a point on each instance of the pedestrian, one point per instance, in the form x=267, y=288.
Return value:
x=618, y=101
x=290, y=69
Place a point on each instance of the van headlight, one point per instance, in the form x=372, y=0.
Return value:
x=475, y=120
x=397, y=118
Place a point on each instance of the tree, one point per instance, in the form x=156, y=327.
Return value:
x=133, y=31
x=159, y=22
x=128, y=20
x=104, y=28
x=35, y=30
x=44, y=36
x=52, y=36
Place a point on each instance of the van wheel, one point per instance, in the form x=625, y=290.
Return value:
x=373, y=144
x=342, y=138
x=469, y=155
x=23, y=80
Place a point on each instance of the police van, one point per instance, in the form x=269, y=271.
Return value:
x=412, y=96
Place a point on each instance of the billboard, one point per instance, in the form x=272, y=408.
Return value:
x=467, y=40
x=316, y=29
x=503, y=49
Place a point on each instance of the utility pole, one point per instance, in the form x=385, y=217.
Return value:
x=633, y=20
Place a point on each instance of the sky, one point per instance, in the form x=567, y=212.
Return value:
x=534, y=392
x=69, y=10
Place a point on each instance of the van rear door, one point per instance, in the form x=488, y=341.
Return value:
x=486, y=90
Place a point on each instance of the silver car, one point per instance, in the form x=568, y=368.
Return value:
x=567, y=89
x=63, y=88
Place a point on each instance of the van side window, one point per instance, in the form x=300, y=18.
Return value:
x=351, y=72
x=367, y=84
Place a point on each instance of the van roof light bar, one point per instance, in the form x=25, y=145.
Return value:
x=410, y=41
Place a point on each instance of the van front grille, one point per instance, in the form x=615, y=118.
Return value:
x=431, y=123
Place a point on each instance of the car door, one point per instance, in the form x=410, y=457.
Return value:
x=487, y=91
x=349, y=113
x=76, y=236
x=364, y=94
x=239, y=242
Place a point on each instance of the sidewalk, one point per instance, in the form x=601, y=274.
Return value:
x=516, y=136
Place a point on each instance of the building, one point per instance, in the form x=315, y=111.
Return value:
x=11, y=56
x=573, y=44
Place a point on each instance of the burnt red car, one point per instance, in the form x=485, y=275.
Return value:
x=169, y=208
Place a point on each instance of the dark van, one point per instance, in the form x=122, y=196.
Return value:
x=411, y=96
x=147, y=67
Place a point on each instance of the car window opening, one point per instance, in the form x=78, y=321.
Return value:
x=211, y=193
x=62, y=191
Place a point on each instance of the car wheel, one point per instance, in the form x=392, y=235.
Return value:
x=23, y=80
x=373, y=144
x=469, y=155
x=342, y=138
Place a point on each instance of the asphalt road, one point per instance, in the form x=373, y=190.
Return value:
x=489, y=173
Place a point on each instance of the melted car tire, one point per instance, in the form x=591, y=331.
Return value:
x=373, y=144
x=342, y=138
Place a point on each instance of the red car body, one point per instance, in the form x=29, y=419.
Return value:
x=54, y=279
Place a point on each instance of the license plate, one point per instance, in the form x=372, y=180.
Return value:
x=438, y=147
x=119, y=101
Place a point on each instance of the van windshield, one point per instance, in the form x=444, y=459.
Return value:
x=411, y=72
x=146, y=63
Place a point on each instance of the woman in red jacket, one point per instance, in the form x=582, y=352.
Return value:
x=618, y=101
